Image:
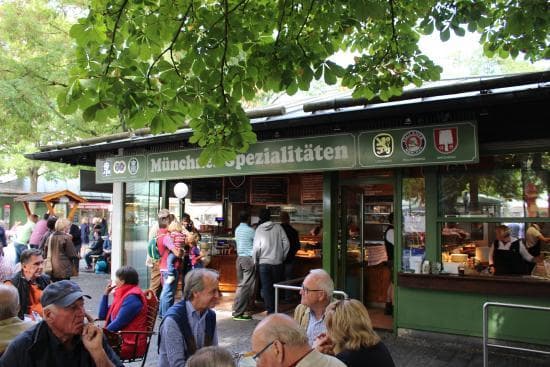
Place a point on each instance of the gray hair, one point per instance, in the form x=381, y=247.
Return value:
x=9, y=301
x=213, y=356
x=323, y=281
x=283, y=328
x=194, y=281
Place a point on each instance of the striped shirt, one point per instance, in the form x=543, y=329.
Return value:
x=244, y=236
x=315, y=327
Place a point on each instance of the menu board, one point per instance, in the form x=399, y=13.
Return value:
x=312, y=188
x=207, y=190
x=237, y=195
x=269, y=190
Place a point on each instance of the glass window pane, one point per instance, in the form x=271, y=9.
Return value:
x=508, y=185
x=141, y=206
x=414, y=221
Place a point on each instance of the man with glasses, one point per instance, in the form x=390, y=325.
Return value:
x=278, y=341
x=316, y=293
x=190, y=324
x=508, y=255
x=30, y=282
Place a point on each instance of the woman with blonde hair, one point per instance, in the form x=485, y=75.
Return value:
x=355, y=343
x=60, y=250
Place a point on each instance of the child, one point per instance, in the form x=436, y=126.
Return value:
x=172, y=261
x=196, y=256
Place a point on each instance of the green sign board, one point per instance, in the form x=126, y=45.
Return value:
x=416, y=146
x=428, y=145
x=275, y=156
x=121, y=169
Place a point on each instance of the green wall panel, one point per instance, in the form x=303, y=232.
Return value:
x=461, y=313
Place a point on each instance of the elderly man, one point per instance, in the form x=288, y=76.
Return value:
x=316, y=294
x=279, y=341
x=62, y=339
x=190, y=324
x=10, y=324
x=30, y=282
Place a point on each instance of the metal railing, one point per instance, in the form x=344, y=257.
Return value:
x=285, y=285
x=486, y=343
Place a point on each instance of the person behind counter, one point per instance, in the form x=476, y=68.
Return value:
x=269, y=250
x=507, y=254
x=317, y=230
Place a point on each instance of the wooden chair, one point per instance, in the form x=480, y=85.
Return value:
x=115, y=339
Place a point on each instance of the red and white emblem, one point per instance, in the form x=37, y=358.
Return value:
x=446, y=139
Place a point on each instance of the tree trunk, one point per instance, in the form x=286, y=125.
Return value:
x=33, y=176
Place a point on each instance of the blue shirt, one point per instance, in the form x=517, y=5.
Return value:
x=315, y=327
x=244, y=236
x=172, y=345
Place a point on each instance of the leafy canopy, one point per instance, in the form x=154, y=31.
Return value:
x=35, y=59
x=170, y=64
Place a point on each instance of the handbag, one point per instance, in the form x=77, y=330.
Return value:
x=48, y=268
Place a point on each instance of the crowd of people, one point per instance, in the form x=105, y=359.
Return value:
x=43, y=320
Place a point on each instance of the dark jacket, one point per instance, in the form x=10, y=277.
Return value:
x=22, y=285
x=3, y=242
x=293, y=242
x=33, y=348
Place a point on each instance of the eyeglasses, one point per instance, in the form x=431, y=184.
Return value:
x=257, y=355
x=306, y=289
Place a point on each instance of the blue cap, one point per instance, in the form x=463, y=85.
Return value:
x=63, y=293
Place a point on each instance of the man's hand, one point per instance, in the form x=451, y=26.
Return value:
x=92, y=337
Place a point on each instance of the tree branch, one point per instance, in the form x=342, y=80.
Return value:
x=112, y=48
x=170, y=47
x=280, y=25
x=305, y=20
x=394, y=32
x=226, y=42
x=229, y=12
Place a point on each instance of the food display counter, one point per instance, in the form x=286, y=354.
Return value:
x=526, y=285
x=223, y=257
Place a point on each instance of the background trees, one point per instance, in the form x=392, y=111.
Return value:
x=169, y=64
x=35, y=59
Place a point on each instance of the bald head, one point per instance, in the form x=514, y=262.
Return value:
x=281, y=327
x=9, y=301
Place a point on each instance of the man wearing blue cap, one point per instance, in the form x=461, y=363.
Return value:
x=62, y=339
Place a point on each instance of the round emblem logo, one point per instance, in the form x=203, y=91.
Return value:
x=133, y=166
x=382, y=145
x=413, y=142
x=119, y=167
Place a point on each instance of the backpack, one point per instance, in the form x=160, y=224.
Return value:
x=153, y=250
x=101, y=267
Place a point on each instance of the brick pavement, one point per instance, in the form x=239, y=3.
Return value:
x=409, y=349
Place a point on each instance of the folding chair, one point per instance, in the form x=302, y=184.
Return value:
x=116, y=340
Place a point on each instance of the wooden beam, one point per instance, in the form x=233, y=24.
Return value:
x=27, y=209
x=72, y=211
x=51, y=208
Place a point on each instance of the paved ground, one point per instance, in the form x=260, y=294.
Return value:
x=408, y=350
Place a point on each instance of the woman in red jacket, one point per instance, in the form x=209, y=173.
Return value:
x=128, y=312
